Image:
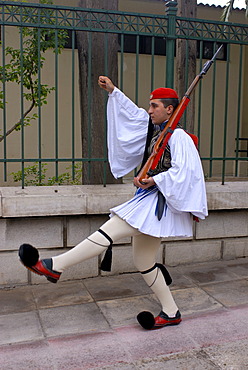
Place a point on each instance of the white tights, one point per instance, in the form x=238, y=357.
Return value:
x=145, y=249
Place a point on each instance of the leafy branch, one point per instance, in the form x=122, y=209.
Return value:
x=35, y=175
x=23, y=66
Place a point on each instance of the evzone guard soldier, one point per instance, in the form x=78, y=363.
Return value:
x=163, y=205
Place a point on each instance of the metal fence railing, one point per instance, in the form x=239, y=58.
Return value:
x=40, y=100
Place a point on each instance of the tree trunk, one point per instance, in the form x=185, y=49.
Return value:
x=186, y=8
x=91, y=54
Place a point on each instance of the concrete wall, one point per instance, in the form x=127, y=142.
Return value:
x=55, y=219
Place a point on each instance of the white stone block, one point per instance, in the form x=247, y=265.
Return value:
x=44, y=200
x=100, y=199
x=191, y=252
x=11, y=270
x=78, y=228
x=231, y=195
x=224, y=224
x=235, y=248
x=40, y=232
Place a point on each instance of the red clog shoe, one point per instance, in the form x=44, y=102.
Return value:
x=29, y=257
x=164, y=320
x=149, y=322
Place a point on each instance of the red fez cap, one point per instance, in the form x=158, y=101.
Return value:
x=163, y=93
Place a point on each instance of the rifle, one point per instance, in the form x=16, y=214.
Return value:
x=148, y=169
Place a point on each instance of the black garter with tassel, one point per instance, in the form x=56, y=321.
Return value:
x=107, y=260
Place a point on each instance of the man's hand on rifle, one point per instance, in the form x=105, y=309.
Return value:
x=146, y=183
x=105, y=83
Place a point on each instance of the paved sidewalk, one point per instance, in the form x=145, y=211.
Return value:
x=91, y=323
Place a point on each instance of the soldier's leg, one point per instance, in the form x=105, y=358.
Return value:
x=145, y=249
x=114, y=229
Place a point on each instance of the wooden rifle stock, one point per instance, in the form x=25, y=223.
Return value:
x=160, y=145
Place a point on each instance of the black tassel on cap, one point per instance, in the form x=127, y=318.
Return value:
x=107, y=260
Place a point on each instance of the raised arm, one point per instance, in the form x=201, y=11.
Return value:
x=127, y=129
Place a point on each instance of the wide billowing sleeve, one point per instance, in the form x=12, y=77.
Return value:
x=126, y=137
x=183, y=185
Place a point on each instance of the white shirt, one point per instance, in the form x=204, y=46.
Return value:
x=183, y=185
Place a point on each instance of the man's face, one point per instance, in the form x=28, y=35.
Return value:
x=158, y=112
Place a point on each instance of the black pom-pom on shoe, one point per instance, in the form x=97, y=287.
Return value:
x=146, y=320
x=28, y=255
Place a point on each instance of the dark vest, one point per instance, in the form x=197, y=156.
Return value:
x=152, y=136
